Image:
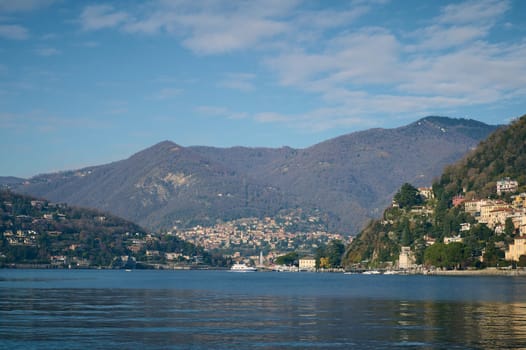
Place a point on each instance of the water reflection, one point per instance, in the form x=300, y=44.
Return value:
x=161, y=318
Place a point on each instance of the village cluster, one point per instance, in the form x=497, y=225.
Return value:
x=252, y=235
x=492, y=212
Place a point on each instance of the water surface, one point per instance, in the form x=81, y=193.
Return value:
x=98, y=309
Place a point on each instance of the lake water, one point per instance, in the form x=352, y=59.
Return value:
x=99, y=309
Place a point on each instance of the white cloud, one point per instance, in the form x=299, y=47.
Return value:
x=23, y=5
x=448, y=61
x=239, y=81
x=95, y=17
x=13, y=31
x=439, y=38
x=373, y=71
x=213, y=27
x=365, y=57
x=473, y=11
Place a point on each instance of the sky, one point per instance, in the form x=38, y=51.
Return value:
x=90, y=82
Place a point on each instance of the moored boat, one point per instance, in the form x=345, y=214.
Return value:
x=242, y=268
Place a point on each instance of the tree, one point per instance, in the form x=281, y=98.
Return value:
x=334, y=252
x=509, y=227
x=408, y=196
x=287, y=259
x=449, y=256
x=324, y=263
x=435, y=255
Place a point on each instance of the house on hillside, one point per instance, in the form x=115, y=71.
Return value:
x=458, y=200
x=490, y=209
x=473, y=206
x=426, y=192
x=507, y=185
x=516, y=249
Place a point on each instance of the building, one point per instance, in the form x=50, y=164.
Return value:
x=473, y=206
x=507, y=185
x=406, y=259
x=307, y=264
x=426, y=192
x=516, y=249
x=454, y=239
x=488, y=210
x=458, y=200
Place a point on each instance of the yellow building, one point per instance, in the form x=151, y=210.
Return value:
x=307, y=264
x=516, y=249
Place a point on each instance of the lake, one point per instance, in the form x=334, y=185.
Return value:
x=105, y=309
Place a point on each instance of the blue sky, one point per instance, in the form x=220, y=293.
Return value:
x=86, y=83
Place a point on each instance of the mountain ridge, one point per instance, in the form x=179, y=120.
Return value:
x=349, y=177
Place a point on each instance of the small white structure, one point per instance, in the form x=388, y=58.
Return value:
x=454, y=239
x=406, y=259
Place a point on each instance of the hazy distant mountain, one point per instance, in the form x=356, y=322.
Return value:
x=349, y=178
x=10, y=180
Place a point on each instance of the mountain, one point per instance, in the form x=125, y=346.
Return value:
x=501, y=155
x=428, y=225
x=7, y=181
x=347, y=178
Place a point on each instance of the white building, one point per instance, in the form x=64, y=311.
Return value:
x=307, y=264
x=406, y=259
x=507, y=185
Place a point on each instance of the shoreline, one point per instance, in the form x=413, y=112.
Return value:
x=491, y=271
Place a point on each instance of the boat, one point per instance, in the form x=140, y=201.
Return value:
x=371, y=272
x=242, y=268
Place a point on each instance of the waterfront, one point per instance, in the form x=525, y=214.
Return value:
x=64, y=309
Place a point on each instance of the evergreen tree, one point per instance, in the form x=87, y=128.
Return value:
x=408, y=196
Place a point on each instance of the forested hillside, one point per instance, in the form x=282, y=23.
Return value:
x=35, y=231
x=464, y=221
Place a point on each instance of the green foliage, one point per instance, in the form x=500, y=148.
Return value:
x=333, y=252
x=502, y=155
x=408, y=196
x=453, y=255
x=288, y=259
x=39, y=230
x=509, y=228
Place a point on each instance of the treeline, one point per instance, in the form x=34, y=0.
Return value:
x=327, y=256
x=502, y=155
x=35, y=231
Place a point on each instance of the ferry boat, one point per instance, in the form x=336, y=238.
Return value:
x=242, y=268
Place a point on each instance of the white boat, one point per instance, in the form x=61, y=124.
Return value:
x=371, y=272
x=242, y=268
